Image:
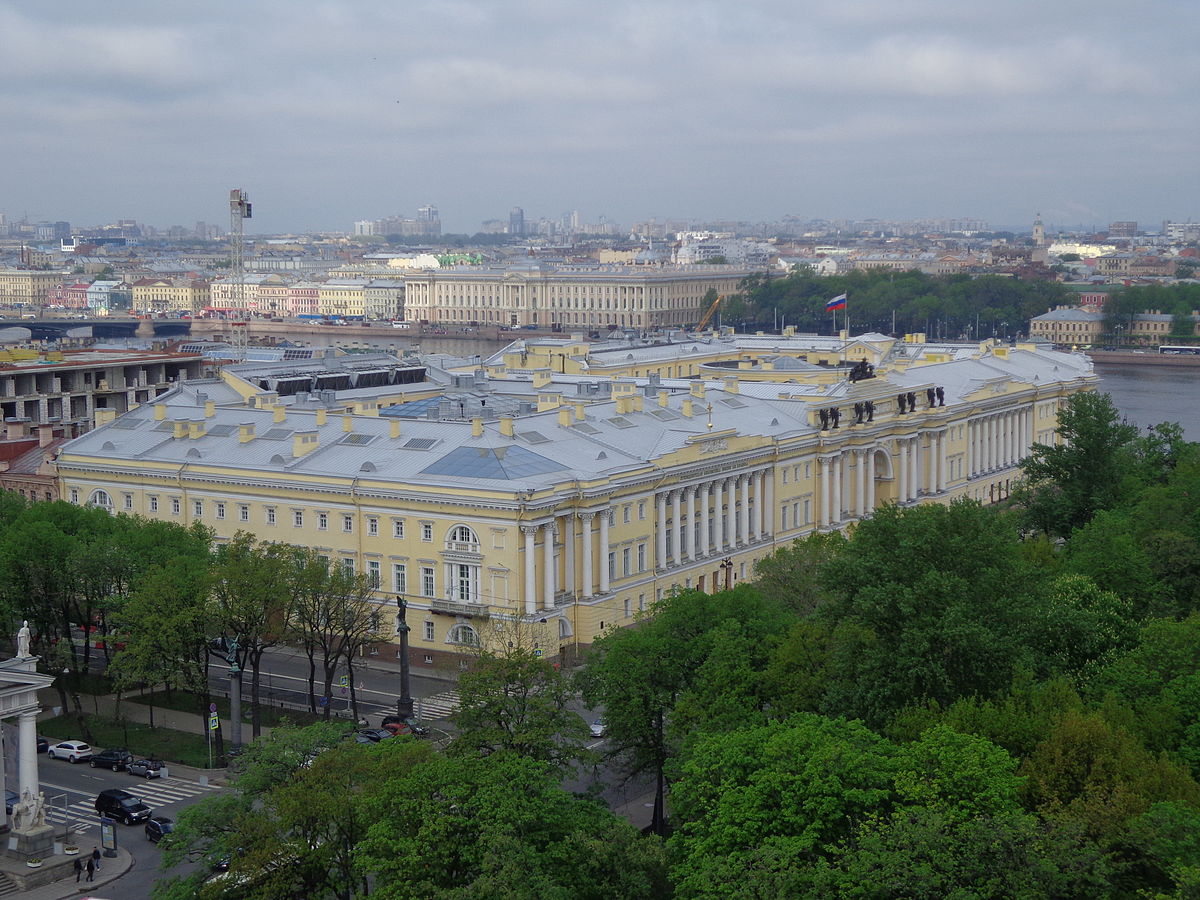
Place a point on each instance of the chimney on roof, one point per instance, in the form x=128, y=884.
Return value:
x=662, y=399
x=210, y=409
x=580, y=412
x=179, y=428
x=506, y=426
x=160, y=411
x=196, y=429
x=322, y=417
x=697, y=389
x=17, y=427
x=687, y=407
x=347, y=423
x=45, y=435
x=731, y=384
x=303, y=443
x=280, y=414
x=245, y=432
x=394, y=427
x=477, y=427
x=564, y=416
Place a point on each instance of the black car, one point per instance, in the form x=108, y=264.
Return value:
x=122, y=806
x=115, y=758
x=375, y=734
x=11, y=799
x=158, y=827
x=43, y=744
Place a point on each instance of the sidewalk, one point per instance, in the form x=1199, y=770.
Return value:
x=110, y=870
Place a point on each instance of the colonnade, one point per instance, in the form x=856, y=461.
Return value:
x=998, y=440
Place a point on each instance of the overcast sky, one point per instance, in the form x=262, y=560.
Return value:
x=329, y=112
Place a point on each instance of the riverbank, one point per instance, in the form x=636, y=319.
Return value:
x=1143, y=358
x=268, y=331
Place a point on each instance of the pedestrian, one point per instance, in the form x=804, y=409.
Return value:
x=96, y=858
x=91, y=869
x=78, y=869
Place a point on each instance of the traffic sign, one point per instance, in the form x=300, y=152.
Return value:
x=344, y=681
x=214, y=722
x=212, y=707
x=322, y=701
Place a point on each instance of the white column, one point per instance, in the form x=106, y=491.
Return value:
x=941, y=462
x=689, y=529
x=569, y=556
x=760, y=506
x=826, y=478
x=837, y=490
x=587, y=549
x=769, y=503
x=731, y=533
x=705, y=543
x=992, y=458
x=970, y=449
x=902, y=486
x=744, y=514
x=1014, y=438
x=660, y=531
x=549, y=568
x=604, y=513
x=718, y=521
x=860, y=486
x=27, y=760
x=676, y=522
x=871, y=480
x=918, y=458
x=530, y=532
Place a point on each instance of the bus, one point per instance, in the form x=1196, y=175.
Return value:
x=1184, y=349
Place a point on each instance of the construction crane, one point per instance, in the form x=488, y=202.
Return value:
x=710, y=312
x=239, y=209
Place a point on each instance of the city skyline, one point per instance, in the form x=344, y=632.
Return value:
x=696, y=112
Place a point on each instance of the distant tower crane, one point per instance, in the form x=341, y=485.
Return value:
x=239, y=210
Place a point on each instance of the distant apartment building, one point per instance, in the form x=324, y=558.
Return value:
x=1182, y=232
x=516, y=220
x=165, y=294
x=1068, y=325
x=428, y=222
x=1122, y=229
x=593, y=297
x=29, y=287
x=106, y=295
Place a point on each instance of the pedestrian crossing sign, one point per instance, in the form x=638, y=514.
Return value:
x=214, y=722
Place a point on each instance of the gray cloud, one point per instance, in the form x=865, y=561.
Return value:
x=332, y=111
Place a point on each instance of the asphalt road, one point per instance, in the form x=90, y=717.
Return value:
x=70, y=796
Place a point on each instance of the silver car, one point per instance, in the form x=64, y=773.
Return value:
x=145, y=768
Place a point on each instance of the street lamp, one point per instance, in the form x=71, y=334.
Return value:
x=727, y=565
x=404, y=704
x=1118, y=329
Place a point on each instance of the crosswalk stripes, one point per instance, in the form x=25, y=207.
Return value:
x=439, y=706
x=81, y=816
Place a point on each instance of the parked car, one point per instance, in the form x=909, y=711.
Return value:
x=597, y=728
x=122, y=806
x=71, y=751
x=397, y=725
x=158, y=827
x=115, y=758
x=43, y=744
x=145, y=768
x=375, y=734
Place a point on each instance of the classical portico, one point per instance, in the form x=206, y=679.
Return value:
x=19, y=683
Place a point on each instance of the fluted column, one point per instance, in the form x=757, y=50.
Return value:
x=860, y=487
x=673, y=534
x=548, y=566
x=942, y=480
x=902, y=486
x=569, y=555
x=918, y=478
x=718, y=518
x=769, y=503
x=530, y=532
x=689, y=528
x=760, y=506
x=970, y=449
x=871, y=480
x=587, y=550
x=705, y=542
x=604, y=514
x=826, y=490
x=660, y=531
x=744, y=513
x=731, y=533
x=837, y=489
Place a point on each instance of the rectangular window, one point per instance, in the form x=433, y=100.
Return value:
x=612, y=566
x=625, y=513
x=129, y=501
x=153, y=504
x=347, y=565
x=197, y=508
x=641, y=602
x=785, y=475
x=270, y=515
x=372, y=526
x=783, y=518
x=807, y=470
x=398, y=528
x=428, y=588
x=322, y=521
x=429, y=635
x=426, y=531
x=807, y=512
x=400, y=578
x=641, y=557
x=642, y=509
x=347, y=523
x=175, y=506
x=243, y=512
x=626, y=562
x=298, y=518
x=220, y=510
x=628, y=607
x=74, y=495
x=374, y=574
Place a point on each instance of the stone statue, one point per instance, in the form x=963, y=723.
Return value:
x=835, y=415
x=870, y=407
x=941, y=397
x=23, y=641
x=38, y=813
x=931, y=396
x=824, y=414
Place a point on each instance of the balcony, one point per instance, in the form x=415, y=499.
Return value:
x=454, y=608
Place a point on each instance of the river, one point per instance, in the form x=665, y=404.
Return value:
x=1148, y=395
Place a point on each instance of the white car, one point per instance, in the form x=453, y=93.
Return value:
x=598, y=728
x=71, y=751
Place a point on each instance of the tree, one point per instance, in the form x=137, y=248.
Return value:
x=252, y=596
x=513, y=700
x=501, y=826
x=1071, y=481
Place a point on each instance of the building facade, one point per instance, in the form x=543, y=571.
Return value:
x=570, y=503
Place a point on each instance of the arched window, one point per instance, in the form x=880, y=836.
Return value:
x=101, y=499
x=463, y=634
x=462, y=538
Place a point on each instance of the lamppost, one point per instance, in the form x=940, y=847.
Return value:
x=1118, y=329
x=727, y=565
x=404, y=705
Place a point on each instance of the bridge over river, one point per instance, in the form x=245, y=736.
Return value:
x=108, y=327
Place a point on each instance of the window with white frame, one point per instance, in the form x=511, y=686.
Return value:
x=347, y=564
x=347, y=523
x=372, y=525
x=270, y=511
x=429, y=631
x=322, y=521
x=463, y=634
x=374, y=573
x=641, y=557
x=466, y=582
x=74, y=495
x=198, y=508
x=626, y=561
x=153, y=503
x=428, y=585
x=398, y=528
x=399, y=578
x=101, y=499
x=176, y=506
x=220, y=510
x=612, y=566
x=298, y=518
x=129, y=501
x=243, y=512
x=427, y=531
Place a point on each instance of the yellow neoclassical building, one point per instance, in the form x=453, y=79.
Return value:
x=499, y=494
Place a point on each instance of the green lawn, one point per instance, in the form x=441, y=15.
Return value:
x=142, y=740
x=183, y=702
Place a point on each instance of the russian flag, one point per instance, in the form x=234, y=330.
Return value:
x=838, y=302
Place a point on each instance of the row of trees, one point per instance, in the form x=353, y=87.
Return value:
x=951, y=307
x=174, y=601
x=949, y=701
